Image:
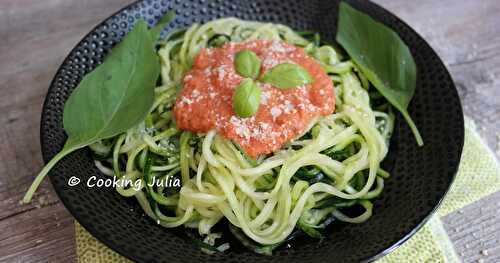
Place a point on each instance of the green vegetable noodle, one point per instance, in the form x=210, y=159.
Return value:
x=126, y=112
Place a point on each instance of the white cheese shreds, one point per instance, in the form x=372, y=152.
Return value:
x=264, y=96
x=270, y=62
x=221, y=73
x=275, y=112
x=288, y=107
x=276, y=46
x=195, y=93
x=185, y=100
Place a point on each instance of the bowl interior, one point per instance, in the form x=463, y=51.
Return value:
x=420, y=176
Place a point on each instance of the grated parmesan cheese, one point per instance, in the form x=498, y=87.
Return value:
x=195, y=93
x=186, y=100
x=264, y=96
x=275, y=112
x=288, y=107
x=211, y=96
x=276, y=46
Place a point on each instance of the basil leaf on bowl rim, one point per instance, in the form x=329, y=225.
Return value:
x=247, y=63
x=382, y=56
x=287, y=75
x=246, y=98
x=162, y=23
x=115, y=96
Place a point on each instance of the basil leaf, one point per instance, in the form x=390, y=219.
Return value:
x=381, y=56
x=287, y=75
x=247, y=64
x=161, y=24
x=246, y=98
x=114, y=97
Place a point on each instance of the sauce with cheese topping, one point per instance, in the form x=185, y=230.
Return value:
x=205, y=100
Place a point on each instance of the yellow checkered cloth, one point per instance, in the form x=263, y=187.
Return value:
x=478, y=176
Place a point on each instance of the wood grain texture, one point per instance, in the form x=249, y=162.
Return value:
x=35, y=36
x=475, y=230
x=466, y=35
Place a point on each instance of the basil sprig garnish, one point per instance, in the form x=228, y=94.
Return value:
x=115, y=96
x=247, y=64
x=246, y=98
x=382, y=56
x=283, y=76
x=287, y=75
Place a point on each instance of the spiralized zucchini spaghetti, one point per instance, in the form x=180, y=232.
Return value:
x=300, y=184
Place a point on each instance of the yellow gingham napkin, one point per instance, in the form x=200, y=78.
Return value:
x=478, y=176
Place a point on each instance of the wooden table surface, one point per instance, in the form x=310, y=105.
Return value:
x=35, y=36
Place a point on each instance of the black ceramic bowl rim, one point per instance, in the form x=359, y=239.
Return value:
x=44, y=135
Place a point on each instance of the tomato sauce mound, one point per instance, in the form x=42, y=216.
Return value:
x=205, y=100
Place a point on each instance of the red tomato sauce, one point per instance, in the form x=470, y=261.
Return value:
x=205, y=100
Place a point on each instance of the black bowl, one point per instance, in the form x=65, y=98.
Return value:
x=420, y=177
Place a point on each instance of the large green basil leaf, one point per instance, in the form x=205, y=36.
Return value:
x=162, y=22
x=114, y=97
x=381, y=56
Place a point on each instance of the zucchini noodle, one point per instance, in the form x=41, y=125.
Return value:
x=313, y=179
